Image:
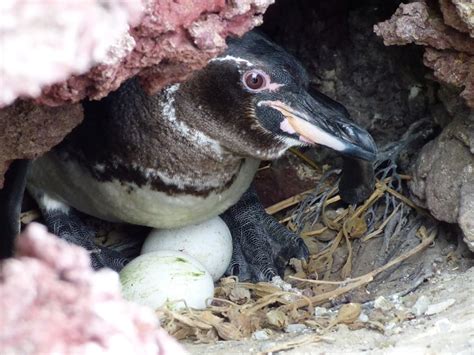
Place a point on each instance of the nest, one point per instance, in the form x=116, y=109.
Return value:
x=353, y=250
x=332, y=233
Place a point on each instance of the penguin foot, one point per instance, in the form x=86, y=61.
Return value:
x=66, y=223
x=261, y=246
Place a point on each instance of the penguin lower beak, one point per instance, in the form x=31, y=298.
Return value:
x=320, y=120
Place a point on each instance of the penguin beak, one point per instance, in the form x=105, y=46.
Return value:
x=320, y=120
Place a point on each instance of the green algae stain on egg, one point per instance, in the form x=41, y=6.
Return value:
x=161, y=278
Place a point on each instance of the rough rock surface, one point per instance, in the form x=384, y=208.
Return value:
x=443, y=178
x=451, y=16
x=444, y=172
x=450, y=50
x=53, y=302
x=28, y=130
x=172, y=39
x=465, y=10
x=455, y=68
x=76, y=35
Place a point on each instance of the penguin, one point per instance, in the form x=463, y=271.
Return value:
x=190, y=152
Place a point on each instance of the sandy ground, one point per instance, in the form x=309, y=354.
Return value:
x=449, y=331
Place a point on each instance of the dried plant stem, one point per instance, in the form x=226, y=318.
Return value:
x=352, y=284
x=291, y=201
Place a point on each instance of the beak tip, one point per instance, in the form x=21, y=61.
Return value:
x=364, y=147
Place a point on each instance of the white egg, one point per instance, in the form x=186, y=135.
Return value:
x=166, y=276
x=209, y=242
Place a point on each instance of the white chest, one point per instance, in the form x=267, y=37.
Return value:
x=117, y=201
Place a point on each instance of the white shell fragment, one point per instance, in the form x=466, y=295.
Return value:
x=439, y=307
x=166, y=277
x=209, y=242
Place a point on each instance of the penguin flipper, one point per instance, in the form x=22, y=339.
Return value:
x=11, y=197
x=261, y=246
x=66, y=222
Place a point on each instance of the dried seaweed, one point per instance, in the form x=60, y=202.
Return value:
x=266, y=305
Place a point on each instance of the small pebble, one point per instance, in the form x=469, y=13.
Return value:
x=363, y=317
x=439, y=307
x=321, y=311
x=383, y=304
x=262, y=334
x=295, y=328
x=284, y=286
x=444, y=325
x=420, y=306
x=392, y=328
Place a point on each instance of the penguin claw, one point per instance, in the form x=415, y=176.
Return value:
x=261, y=246
x=68, y=226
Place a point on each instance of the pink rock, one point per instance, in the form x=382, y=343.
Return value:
x=172, y=39
x=43, y=42
x=53, y=302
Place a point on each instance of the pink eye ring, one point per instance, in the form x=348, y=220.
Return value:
x=255, y=80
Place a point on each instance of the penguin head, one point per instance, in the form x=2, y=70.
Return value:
x=256, y=101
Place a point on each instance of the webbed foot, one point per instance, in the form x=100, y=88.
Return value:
x=357, y=181
x=261, y=246
x=67, y=224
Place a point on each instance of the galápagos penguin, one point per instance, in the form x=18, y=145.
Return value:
x=190, y=153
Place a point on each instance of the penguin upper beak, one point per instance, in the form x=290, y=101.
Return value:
x=317, y=119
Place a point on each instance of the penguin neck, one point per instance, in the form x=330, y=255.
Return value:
x=158, y=141
x=193, y=161
x=152, y=140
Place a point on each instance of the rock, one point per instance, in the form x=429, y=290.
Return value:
x=416, y=23
x=450, y=48
x=420, y=306
x=263, y=334
x=172, y=40
x=465, y=10
x=455, y=68
x=76, y=36
x=383, y=304
x=295, y=328
x=443, y=177
x=321, y=312
x=58, y=304
x=28, y=130
x=439, y=307
x=282, y=285
x=364, y=318
x=466, y=214
x=451, y=16
x=392, y=328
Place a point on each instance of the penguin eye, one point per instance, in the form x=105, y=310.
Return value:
x=255, y=79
